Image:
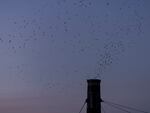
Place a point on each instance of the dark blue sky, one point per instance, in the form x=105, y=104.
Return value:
x=49, y=48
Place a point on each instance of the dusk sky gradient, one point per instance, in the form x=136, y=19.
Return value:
x=49, y=48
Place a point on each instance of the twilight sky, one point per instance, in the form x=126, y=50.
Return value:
x=49, y=48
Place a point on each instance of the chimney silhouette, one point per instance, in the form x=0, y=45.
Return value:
x=93, y=96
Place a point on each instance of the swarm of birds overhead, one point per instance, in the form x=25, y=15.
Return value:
x=31, y=30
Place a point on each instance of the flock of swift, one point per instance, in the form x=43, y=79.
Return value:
x=31, y=30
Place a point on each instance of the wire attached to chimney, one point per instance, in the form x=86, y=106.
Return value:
x=82, y=107
x=126, y=107
x=119, y=108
